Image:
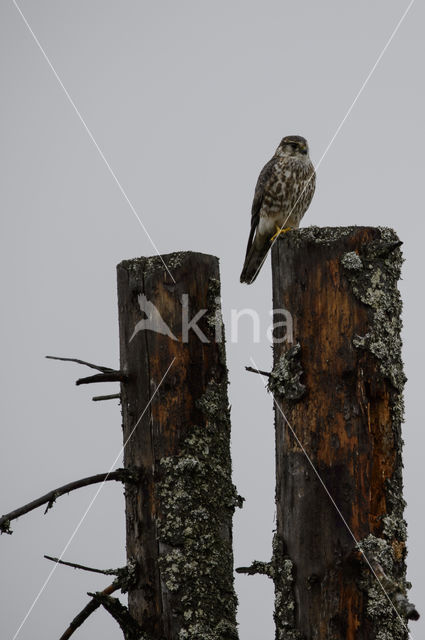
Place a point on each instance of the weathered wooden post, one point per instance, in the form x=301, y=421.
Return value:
x=177, y=433
x=339, y=408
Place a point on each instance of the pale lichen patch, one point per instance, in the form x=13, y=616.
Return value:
x=322, y=235
x=373, y=276
x=375, y=284
x=285, y=378
x=284, y=606
x=352, y=261
x=386, y=603
x=197, y=500
x=171, y=260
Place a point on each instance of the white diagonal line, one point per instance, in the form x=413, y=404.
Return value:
x=341, y=124
x=46, y=582
x=369, y=75
x=91, y=136
x=334, y=504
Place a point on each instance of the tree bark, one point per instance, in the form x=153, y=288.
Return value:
x=177, y=432
x=338, y=382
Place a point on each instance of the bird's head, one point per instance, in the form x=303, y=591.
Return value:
x=293, y=146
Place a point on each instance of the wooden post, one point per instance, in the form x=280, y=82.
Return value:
x=177, y=433
x=338, y=383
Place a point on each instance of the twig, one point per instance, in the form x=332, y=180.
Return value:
x=257, y=567
x=106, y=572
x=129, y=626
x=110, y=397
x=87, y=364
x=262, y=373
x=107, y=374
x=87, y=611
x=121, y=475
x=110, y=376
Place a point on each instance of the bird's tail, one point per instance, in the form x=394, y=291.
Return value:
x=253, y=261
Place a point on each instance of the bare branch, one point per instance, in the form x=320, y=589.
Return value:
x=110, y=376
x=87, y=611
x=121, y=475
x=106, y=572
x=107, y=374
x=110, y=397
x=129, y=626
x=262, y=373
x=87, y=364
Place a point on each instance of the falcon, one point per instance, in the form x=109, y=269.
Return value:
x=282, y=195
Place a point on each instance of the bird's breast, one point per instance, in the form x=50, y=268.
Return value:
x=288, y=193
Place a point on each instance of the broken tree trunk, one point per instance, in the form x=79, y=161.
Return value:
x=337, y=383
x=177, y=432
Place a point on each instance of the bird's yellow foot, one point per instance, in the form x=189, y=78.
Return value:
x=279, y=231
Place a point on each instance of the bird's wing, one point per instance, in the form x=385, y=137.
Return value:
x=260, y=187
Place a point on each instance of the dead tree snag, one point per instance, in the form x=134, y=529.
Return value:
x=339, y=386
x=177, y=431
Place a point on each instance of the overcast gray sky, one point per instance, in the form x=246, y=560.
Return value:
x=187, y=100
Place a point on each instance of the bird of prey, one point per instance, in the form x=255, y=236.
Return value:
x=282, y=195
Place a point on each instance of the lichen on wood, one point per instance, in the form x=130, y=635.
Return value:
x=171, y=260
x=197, y=499
x=373, y=273
x=285, y=377
x=179, y=516
x=281, y=570
x=284, y=603
x=340, y=285
x=374, y=282
x=387, y=607
x=215, y=318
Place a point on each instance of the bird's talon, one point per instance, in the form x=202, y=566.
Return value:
x=279, y=231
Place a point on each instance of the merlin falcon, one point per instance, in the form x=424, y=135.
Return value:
x=282, y=195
